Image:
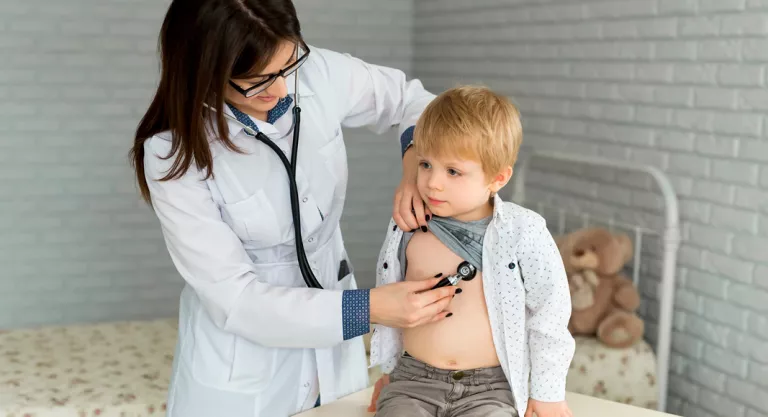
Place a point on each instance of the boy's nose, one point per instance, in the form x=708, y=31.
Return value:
x=435, y=182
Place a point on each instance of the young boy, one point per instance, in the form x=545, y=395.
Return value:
x=506, y=340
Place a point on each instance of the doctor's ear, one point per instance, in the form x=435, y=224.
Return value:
x=501, y=179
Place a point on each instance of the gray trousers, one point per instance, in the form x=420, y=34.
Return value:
x=420, y=390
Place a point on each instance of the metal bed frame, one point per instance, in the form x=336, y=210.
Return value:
x=667, y=230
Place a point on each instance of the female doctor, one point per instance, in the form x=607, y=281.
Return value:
x=253, y=338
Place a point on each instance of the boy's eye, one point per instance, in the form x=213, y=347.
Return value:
x=453, y=172
x=425, y=165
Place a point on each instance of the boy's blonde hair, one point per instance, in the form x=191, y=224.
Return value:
x=471, y=122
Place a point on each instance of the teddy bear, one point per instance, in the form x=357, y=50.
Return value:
x=604, y=301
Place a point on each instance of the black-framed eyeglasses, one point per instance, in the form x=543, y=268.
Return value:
x=302, y=52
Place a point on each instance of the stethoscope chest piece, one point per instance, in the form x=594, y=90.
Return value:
x=466, y=271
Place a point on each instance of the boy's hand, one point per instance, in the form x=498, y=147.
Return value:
x=384, y=380
x=408, y=209
x=543, y=409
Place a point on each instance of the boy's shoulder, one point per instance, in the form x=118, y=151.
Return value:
x=512, y=216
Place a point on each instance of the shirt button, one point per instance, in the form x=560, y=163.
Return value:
x=304, y=200
x=310, y=240
x=511, y=265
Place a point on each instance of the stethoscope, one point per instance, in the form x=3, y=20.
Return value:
x=290, y=168
x=465, y=271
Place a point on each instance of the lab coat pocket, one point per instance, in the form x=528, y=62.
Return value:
x=254, y=220
x=252, y=366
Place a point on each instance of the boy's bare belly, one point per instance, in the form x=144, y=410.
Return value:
x=462, y=341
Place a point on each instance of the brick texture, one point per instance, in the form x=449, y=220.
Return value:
x=75, y=77
x=678, y=84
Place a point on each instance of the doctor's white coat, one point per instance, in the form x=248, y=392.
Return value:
x=528, y=301
x=253, y=340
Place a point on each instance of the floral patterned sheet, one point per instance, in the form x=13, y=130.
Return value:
x=622, y=375
x=122, y=370
x=106, y=369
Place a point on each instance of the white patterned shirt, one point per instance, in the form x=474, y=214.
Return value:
x=529, y=304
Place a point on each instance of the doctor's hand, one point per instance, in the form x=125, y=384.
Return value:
x=408, y=209
x=410, y=303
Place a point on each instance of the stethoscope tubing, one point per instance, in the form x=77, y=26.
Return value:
x=290, y=168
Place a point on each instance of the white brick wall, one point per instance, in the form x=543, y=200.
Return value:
x=75, y=244
x=679, y=84
x=75, y=77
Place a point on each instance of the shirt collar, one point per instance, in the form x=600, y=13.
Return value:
x=498, y=209
x=276, y=113
x=273, y=115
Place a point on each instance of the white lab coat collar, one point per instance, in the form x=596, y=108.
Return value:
x=304, y=90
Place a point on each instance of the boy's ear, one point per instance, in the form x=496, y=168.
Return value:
x=501, y=179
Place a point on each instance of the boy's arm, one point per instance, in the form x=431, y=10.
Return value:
x=548, y=302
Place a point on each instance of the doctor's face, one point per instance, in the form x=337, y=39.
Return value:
x=263, y=102
x=454, y=187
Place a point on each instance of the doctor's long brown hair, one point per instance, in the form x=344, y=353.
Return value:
x=204, y=44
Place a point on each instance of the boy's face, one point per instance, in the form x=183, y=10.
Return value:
x=454, y=187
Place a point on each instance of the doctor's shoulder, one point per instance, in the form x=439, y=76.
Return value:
x=327, y=72
x=160, y=158
x=323, y=62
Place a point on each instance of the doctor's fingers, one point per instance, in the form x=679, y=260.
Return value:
x=433, y=312
x=438, y=317
x=396, y=209
x=397, y=213
x=406, y=209
x=420, y=211
x=426, y=298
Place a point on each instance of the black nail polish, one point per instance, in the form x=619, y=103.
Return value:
x=439, y=275
x=424, y=229
x=458, y=290
x=449, y=315
x=413, y=230
x=428, y=217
